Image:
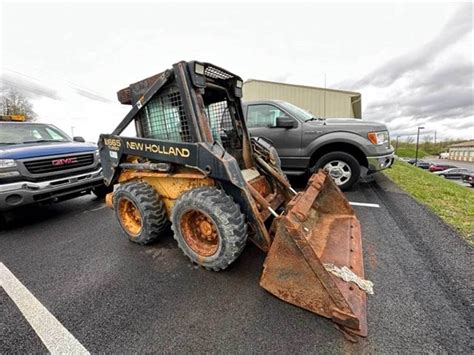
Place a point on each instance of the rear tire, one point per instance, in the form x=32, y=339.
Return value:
x=140, y=212
x=209, y=227
x=342, y=167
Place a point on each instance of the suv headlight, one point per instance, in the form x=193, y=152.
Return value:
x=7, y=163
x=378, y=137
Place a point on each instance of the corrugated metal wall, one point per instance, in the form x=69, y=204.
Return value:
x=320, y=102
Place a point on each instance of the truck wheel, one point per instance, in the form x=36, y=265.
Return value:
x=342, y=167
x=102, y=190
x=209, y=227
x=140, y=212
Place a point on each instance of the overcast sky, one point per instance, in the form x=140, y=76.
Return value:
x=413, y=64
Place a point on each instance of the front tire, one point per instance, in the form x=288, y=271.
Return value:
x=140, y=212
x=343, y=168
x=209, y=227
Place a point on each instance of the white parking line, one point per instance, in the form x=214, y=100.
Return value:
x=364, y=204
x=52, y=333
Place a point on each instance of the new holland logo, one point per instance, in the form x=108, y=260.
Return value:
x=64, y=161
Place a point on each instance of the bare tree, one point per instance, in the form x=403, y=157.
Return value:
x=12, y=102
x=428, y=138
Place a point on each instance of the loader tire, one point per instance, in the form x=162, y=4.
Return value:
x=342, y=167
x=140, y=212
x=209, y=227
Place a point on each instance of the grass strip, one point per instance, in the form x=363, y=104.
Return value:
x=452, y=202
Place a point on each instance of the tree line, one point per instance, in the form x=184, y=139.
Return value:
x=13, y=102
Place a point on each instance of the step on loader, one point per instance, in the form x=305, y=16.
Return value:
x=194, y=164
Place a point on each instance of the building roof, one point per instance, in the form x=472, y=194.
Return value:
x=463, y=144
x=302, y=86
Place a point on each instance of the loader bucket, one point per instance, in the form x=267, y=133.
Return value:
x=319, y=228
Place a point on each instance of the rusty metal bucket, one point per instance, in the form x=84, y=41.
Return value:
x=318, y=228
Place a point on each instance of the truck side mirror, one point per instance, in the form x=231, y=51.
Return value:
x=78, y=139
x=285, y=122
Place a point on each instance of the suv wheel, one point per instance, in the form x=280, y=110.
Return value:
x=343, y=168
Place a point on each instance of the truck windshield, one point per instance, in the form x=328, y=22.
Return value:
x=24, y=133
x=297, y=111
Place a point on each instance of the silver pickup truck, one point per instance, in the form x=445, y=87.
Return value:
x=346, y=148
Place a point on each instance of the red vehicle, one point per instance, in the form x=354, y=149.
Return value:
x=440, y=167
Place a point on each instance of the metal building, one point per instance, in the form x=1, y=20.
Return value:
x=319, y=101
x=462, y=151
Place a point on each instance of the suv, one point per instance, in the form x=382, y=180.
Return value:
x=40, y=163
x=346, y=148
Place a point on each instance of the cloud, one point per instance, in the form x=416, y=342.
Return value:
x=91, y=95
x=436, y=106
x=27, y=86
x=385, y=75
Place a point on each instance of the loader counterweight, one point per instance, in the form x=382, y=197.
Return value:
x=193, y=164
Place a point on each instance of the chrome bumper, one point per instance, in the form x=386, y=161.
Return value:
x=26, y=192
x=380, y=162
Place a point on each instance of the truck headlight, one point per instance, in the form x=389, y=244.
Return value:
x=378, y=137
x=7, y=163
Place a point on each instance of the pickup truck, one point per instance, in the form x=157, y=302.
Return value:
x=40, y=163
x=346, y=148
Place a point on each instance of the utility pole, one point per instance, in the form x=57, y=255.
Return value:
x=396, y=145
x=72, y=131
x=435, y=138
x=417, y=142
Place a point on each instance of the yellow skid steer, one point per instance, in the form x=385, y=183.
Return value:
x=194, y=164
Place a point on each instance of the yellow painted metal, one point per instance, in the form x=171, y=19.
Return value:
x=169, y=185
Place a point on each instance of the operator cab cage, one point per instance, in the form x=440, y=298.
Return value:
x=192, y=102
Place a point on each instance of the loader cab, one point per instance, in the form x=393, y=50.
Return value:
x=215, y=115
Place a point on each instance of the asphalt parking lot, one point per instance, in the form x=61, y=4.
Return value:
x=115, y=296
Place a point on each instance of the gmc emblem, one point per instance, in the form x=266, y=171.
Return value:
x=64, y=161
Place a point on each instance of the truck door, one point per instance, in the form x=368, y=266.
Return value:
x=262, y=122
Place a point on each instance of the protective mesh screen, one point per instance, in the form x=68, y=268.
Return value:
x=164, y=118
x=222, y=125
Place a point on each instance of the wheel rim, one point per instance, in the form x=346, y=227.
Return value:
x=130, y=217
x=339, y=170
x=200, y=232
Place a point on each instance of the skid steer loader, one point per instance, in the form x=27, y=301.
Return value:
x=193, y=164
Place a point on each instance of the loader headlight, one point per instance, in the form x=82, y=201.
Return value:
x=239, y=84
x=7, y=163
x=378, y=138
x=199, y=68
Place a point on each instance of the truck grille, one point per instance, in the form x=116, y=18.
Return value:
x=49, y=165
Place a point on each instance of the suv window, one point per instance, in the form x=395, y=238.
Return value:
x=263, y=115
